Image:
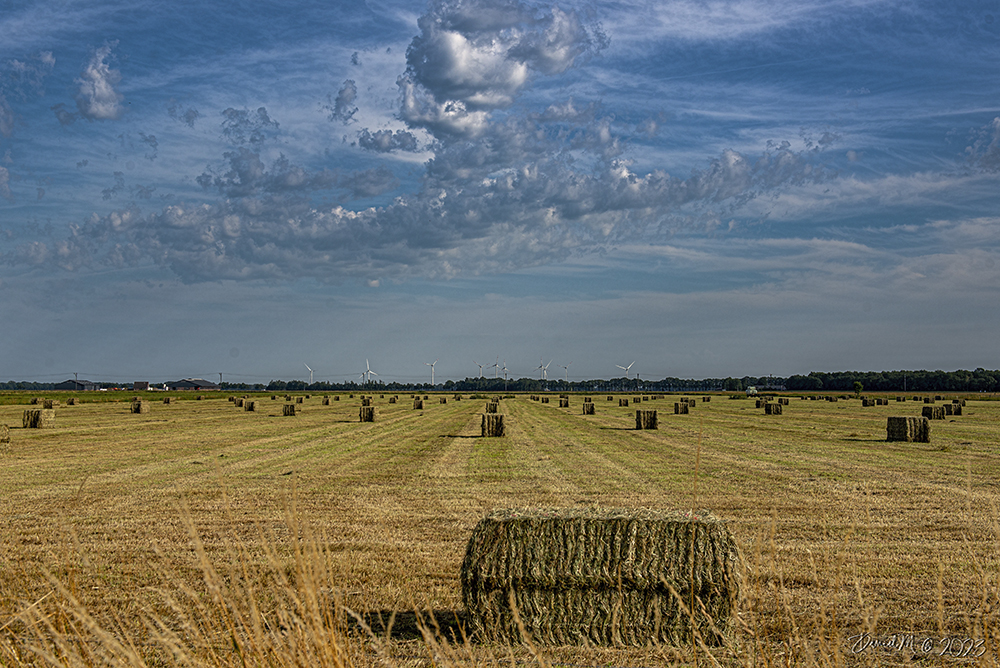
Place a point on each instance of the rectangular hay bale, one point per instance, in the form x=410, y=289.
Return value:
x=493, y=425
x=681, y=408
x=418, y=404
x=4, y=434
x=646, y=419
x=623, y=403
x=933, y=412
x=909, y=429
x=38, y=418
x=601, y=576
x=564, y=403
x=288, y=410
x=366, y=414
x=588, y=408
x=772, y=409
x=139, y=406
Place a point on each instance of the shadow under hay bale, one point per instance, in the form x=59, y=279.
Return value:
x=646, y=420
x=38, y=418
x=909, y=429
x=493, y=426
x=140, y=406
x=588, y=408
x=366, y=414
x=933, y=412
x=600, y=576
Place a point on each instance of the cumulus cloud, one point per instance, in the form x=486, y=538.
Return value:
x=473, y=56
x=342, y=108
x=186, y=116
x=242, y=126
x=384, y=141
x=97, y=98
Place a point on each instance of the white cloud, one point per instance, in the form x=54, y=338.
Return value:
x=97, y=97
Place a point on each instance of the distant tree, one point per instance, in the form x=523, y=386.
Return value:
x=858, y=388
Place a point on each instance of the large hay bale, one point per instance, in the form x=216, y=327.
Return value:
x=588, y=408
x=288, y=409
x=38, y=418
x=772, y=409
x=646, y=420
x=623, y=403
x=564, y=403
x=933, y=412
x=4, y=436
x=601, y=577
x=140, y=406
x=681, y=408
x=418, y=404
x=366, y=414
x=250, y=406
x=493, y=425
x=910, y=429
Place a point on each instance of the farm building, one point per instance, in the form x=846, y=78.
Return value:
x=76, y=385
x=192, y=384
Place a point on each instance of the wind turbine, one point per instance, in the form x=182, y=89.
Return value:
x=543, y=368
x=567, y=371
x=496, y=368
x=431, y=365
x=505, y=375
x=310, y=373
x=477, y=364
x=368, y=372
x=625, y=368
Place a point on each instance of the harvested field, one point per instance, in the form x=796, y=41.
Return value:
x=118, y=509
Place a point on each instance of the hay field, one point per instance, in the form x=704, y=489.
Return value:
x=842, y=532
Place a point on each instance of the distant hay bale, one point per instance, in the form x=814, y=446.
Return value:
x=72, y=401
x=772, y=409
x=326, y=401
x=168, y=400
x=288, y=409
x=601, y=577
x=909, y=429
x=35, y=401
x=493, y=425
x=623, y=403
x=960, y=402
x=610, y=398
x=274, y=397
x=588, y=408
x=587, y=400
x=299, y=400
x=916, y=398
x=706, y=399
x=458, y=397
x=309, y=396
x=881, y=402
x=239, y=402
x=564, y=403
x=366, y=414
x=545, y=400
x=900, y=398
x=948, y=408
x=250, y=406
x=867, y=402
x=426, y=397
x=681, y=408
x=492, y=407
x=928, y=400
x=288, y=397
x=232, y=399
x=140, y=406
x=646, y=420
x=636, y=400
x=760, y=403
x=336, y=397
x=938, y=397
x=392, y=400
x=366, y=401
x=783, y=401
x=50, y=403
x=933, y=412
x=4, y=435
x=418, y=404
x=443, y=400
x=381, y=396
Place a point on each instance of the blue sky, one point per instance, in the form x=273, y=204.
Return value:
x=707, y=188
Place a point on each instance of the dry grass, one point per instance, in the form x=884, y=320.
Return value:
x=114, y=524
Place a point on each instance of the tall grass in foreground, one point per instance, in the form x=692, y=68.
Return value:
x=276, y=603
